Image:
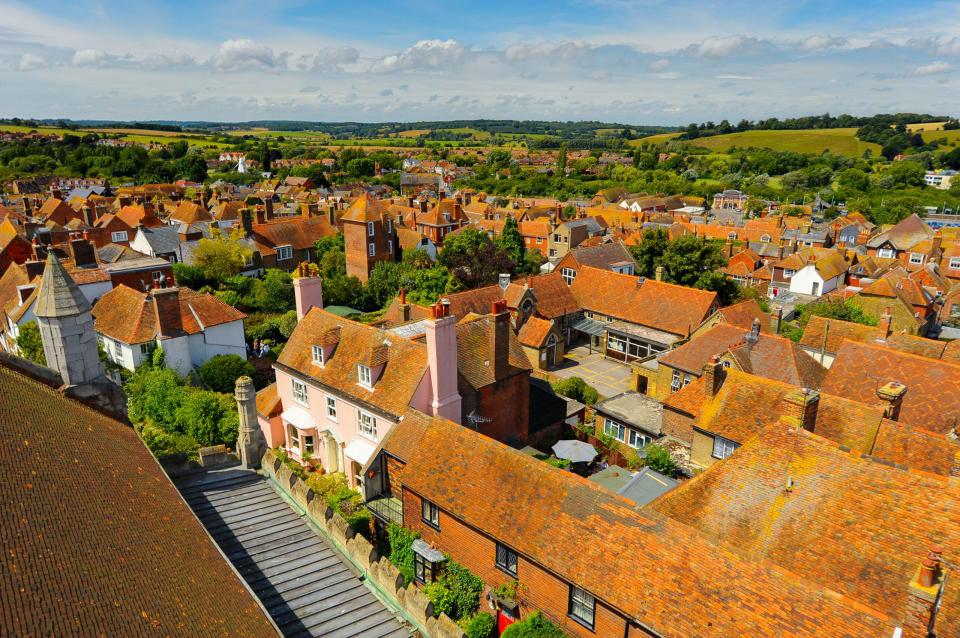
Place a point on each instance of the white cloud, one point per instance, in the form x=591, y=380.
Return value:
x=240, y=54
x=933, y=68
x=722, y=47
x=330, y=59
x=819, y=42
x=735, y=77
x=544, y=51
x=424, y=55
x=31, y=62
x=91, y=57
x=167, y=59
x=659, y=65
x=599, y=75
x=950, y=47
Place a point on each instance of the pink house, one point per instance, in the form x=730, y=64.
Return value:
x=341, y=385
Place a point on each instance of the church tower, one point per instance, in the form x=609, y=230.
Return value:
x=66, y=327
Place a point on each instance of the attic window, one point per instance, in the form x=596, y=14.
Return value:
x=318, y=355
x=954, y=263
x=916, y=258
x=764, y=237
x=364, y=377
x=886, y=253
x=119, y=236
x=284, y=252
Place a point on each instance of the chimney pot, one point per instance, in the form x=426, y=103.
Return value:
x=891, y=394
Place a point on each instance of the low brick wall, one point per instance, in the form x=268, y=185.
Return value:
x=379, y=570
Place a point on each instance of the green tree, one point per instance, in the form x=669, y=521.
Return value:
x=274, y=293
x=326, y=244
x=659, y=458
x=288, y=323
x=577, y=389
x=189, y=276
x=511, y=242
x=649, y=253
x=191, y=167
x=179, y=148
x=29, y=344
x=221, y=372
x=562, y=157
x=221, y=256
x=263, y=156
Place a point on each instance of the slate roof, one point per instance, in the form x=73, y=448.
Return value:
x=850, y=524
x=603, y=256
x=667, y=307
x=162, y=239
x=658, y=571
x=932, y=399
x=130, y=316
x=405, y=366
x=96, y=539
x=904, y=235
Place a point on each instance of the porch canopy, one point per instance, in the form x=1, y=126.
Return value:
x=589, y=326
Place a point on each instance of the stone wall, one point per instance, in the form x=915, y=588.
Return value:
x=362, y=553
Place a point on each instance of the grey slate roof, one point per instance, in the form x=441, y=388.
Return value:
x=162, y=240
x=603, y=256
x=59, y=295
x=646, y=485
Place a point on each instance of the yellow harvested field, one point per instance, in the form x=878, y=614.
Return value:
x=141, y=132
x=662, y=138
x=925, y=126
x=836, y=140
x=952, y=135
x=417, y=132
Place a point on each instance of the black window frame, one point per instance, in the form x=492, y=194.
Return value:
x=427, y=507
x=508, y=553
x=588, y=624
x=422, y=568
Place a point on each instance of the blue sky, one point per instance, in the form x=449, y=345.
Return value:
x=638, y=62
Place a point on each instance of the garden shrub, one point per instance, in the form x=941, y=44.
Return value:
x=533, y=626
x=400, y=552
x=288, y=322
x=442, y=598
x=262, y=326
x=660, y=459
x=481, y=626
x=220, y=373
x=228, y=297
x=577, y=389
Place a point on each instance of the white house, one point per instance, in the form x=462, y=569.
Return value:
x=820, y=276
x=190, y=327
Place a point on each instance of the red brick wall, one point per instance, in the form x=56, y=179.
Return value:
x=677, y=425
x=138, y=279
x=356, y=239
x=477, y=552
x=508, y=403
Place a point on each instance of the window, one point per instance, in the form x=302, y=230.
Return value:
x=390, y=247
x=370, y=229
x=367, y=425
x=294, y=437
x=954, y=263
x=389, y=226
x=582, y=606
x=506, y=559
x=568, y=274
x=284, y=252
x=787, y=273
x=614, y=429
x=308, y=444
x=331, y=408
x=916, y=258
x=318, y=354
x=638, y=440
x=371, y=249
x=144, y=348
x=679, y=380
x=120, y=235
x=553, y=252
x=765, y=238
x=299, y=391
x=117, y=350
x=363, y=375
x=722, y=448
x=616, y=344
x=886, y=253
x=430, y=513
x=422, y=569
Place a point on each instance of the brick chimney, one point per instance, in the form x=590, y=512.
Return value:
x=883, y=327
x=89, y=218
x=891, y=395
x=268, y=206
x=712, y=376
x=84, y=256
x=754, y=335
x=500, y=344
x=261, y=216
x=167, y=305
x=404, y=306
x=308, y=292
x=801, y=406
x=776, y=320
x=441, y=331
x=246, y=221
x=921, y=608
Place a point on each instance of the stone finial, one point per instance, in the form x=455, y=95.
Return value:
x=59, y=295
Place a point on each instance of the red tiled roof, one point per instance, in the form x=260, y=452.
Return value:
x=96, y=539
x=474, y=346
x=743, y=315
x=300, y=233
x=932, y=399
x=534, y=332
x=268, y=401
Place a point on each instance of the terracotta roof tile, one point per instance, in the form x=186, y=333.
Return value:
x=534, y=332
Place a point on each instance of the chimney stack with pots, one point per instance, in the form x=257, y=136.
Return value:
x=891, y=394
x=883, y=327
x=307, y=291
x=500, y=344
x=441, y=331
x=801, y=406
x=712, y=376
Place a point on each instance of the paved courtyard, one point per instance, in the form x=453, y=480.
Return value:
x=610, y=378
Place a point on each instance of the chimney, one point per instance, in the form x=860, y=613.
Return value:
x=713, y=376
x=891, y=395
x=423, y=205
x=34, y=267
x=776, y=320
x=39, y=252
x=500, y=346
x=307, y=290
x=246, y=221
x=883, y=327
x=801, y=406
x=88, y=216
x=936, y=243
x=660, y=271
x=922, y=608
x=167, y=304
x=268, y=205
x=754, y=335
x=404, y=306
x=441, y=331
x=84, y=256
x=261, y=216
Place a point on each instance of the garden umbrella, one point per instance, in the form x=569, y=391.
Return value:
x=576, y=451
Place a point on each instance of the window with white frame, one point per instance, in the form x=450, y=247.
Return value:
x=371, y=249
x=568, y=274
x=390, y=247
x=389, y=226
x=787, y=272
x=916, y=258
x=637, y=439
x=616, y=343
x=299, y=391
x=367, y=424
x=117, y=350
x=679, y=380
x=284, y=252
x=294, y=437
x=583, y=606
x=331, y=408
x=954, y=263
x=886, y=253
x=144, y=348
x=120, y=235
x=363, y=375
x=370, y=228
x=614, y=429
x=722, y=448
x=318, y=354
x=307, y=444
x=430, y=513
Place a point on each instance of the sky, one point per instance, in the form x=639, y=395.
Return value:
x=634, y=62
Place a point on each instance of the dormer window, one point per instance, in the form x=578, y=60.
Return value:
x=364, y=377
x=916, y=258
x=318, y=355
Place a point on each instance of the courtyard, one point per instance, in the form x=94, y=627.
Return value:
x=610, y=378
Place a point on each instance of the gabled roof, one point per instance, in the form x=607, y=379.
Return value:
x=743, y=315
x=836, y=331
x=932, y=399
x=188, y=212
x=534, y=332
x=657, y=571
x=475, y=337
x=904, y=235
x=96, y=539
x=300, y=233
x=603, y=256
x=848, y=523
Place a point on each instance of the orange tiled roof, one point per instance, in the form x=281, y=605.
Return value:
x=534, y=332
x=268, y=401
x=365, y=209
x=933, y=387
x=848, y=524
x=474, y=342
x=300, y=233
x=188, y=213
x=743, y=315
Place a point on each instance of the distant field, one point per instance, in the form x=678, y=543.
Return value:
x=952, y=136
x=141, y=131
x=131, y=135
x=837, y=140
x=45, y=130
x=925, y=126
x=416, y=132
x=662, y=138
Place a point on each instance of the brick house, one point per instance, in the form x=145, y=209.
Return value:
x=368, y=236
x=612, y=256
